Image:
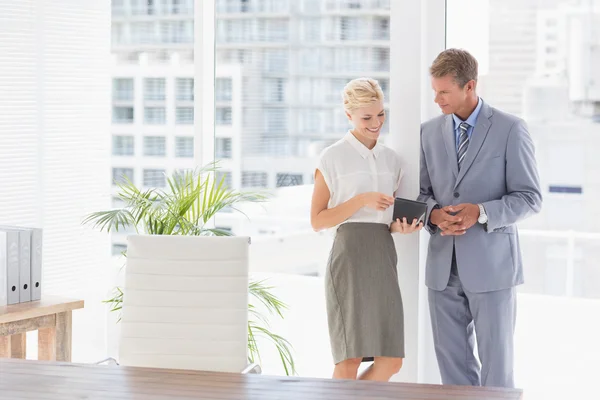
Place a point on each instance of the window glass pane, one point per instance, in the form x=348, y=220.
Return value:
x=143, y=33
x=284, y=179
x=178, y=7
x=155, y=115
x=155, y=146
x=254, y=179
x=185, y=89
x=184, y=115
x=123, y=145
x=120, y=174
x=223, y=148
x=184, y=147
x=118, y=249
x=224, y=176
x=123, y=89
x=223, y=116
x=154, y=89
x=123, y=115
x=223, y=89
x=154, y=178
x=176, y=32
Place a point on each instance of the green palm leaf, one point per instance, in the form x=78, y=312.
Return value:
x=111, y=220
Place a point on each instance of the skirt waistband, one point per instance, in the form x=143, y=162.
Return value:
x=374, y=226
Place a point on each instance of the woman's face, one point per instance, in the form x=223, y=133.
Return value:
x=368, y=120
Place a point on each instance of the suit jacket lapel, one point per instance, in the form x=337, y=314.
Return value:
x=450, y=141
x=480, y=131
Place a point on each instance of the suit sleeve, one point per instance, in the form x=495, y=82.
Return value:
x=524, y=197
x=426, y=191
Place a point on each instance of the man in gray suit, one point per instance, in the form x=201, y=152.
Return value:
x=479, y=178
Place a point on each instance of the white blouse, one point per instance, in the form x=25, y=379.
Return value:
x=350, y=168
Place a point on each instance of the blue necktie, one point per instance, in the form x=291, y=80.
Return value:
x=463, y=143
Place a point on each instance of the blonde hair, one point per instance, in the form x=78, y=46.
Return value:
x=361, y=92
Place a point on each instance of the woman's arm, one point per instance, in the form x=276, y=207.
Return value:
x=322, y=217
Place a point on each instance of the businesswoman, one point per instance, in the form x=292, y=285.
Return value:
x=355, y=182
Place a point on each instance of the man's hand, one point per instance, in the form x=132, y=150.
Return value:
x=468, y=214
x=444, y=221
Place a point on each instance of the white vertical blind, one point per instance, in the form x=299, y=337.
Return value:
x=55, y=144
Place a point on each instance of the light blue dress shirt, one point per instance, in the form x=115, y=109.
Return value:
x=471, y=121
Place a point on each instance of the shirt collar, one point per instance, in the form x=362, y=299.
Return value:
x=472, y=118
x=363, y=150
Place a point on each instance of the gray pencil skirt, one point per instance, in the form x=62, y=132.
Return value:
x=364, y=305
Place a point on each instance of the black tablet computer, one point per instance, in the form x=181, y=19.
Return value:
x=410, y=209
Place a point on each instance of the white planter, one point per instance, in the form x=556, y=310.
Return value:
x=186, y=303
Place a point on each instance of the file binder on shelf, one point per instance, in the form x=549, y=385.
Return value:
x=9, y=267
x=3, y=269
x=36, y=263
x=30, y=262
x=25, y=265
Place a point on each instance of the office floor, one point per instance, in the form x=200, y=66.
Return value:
x=557, y=346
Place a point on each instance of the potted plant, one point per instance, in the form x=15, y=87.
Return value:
x=186, y=207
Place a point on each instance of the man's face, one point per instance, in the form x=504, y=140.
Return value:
x=449, y=95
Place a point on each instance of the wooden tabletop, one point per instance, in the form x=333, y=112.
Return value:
x=20, y=380
x=33, y=309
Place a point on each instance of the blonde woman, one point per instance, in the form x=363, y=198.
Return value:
x=355, y=183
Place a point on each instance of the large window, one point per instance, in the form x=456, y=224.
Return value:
x=540, y=61
x=276, y=116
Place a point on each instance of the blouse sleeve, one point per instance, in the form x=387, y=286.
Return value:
x=323, y=166
x=400, y=173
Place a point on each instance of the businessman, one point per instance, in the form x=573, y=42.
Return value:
x=479, y=178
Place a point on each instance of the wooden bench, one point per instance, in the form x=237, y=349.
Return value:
x=20, y=380
x=51, y=317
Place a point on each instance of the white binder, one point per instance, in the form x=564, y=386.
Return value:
x=10, y=267
x=30, y=265
x=3, y=269
x=36, y=264
x=25, y=265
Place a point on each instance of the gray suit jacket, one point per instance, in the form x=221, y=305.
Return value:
x=499, y=172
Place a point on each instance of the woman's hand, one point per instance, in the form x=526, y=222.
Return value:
x=404, y=227
x=377, y=201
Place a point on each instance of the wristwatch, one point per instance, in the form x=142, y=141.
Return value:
x=483, y=218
